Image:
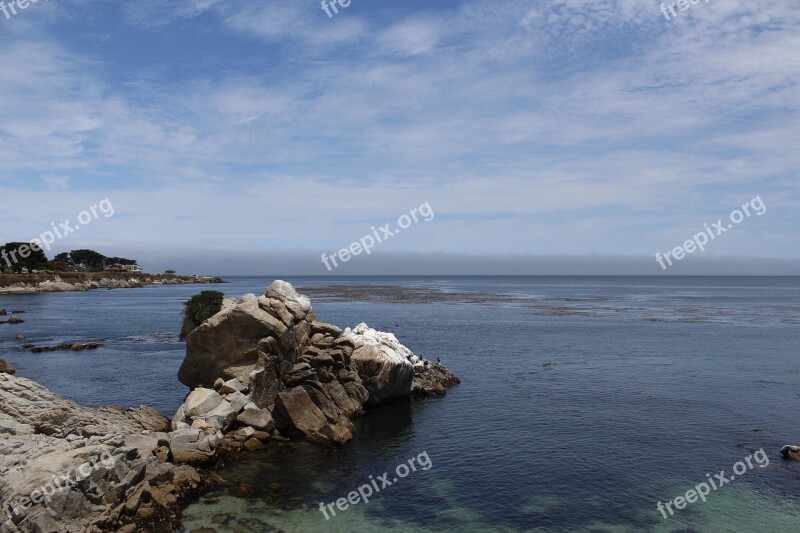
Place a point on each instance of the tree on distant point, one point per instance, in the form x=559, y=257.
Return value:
x=89, y=259
x=17, y=256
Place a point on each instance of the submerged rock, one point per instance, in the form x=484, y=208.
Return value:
x=790, y=453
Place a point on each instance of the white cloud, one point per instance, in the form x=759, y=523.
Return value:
x=57, y=183
x=615, y=126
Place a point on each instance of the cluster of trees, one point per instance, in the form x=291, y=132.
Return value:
x=89, y=260
x=19, y=256
x=16, y=256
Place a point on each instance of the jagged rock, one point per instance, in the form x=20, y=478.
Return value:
x=336, y=434
x=298, y=378
x=232, y=385
x=253, y=444
x=319, y=395
x=297, y=304
x=338, y=394
x=432, y=379
x=264, y=384
x=242, y=434
x=303, y=376
x=192, y=446
x=187, y=327
x=201, y=401
x=326, y=329
x=322, y=360
x=6, y=367
x=118, y=453
x=15, y=320
x=790, y=453
x=256, y=419
x=221, y=418
x=383, y=364
x=294, y=410
x=228, y=339
x=276, y=308
x=238, y=401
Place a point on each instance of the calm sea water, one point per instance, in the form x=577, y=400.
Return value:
x=584, y=401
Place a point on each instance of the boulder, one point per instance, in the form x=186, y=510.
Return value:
x=338, y=394
x=383, y=364
x=201, y=401
x=319, y=395
x=192, y=446
x=232, y=385
x=256, y=418
x=6, y=367
x=228, y=339
x=337, y=434
x=221, y=418
x=325, y=329
x=297, y=304
x=294, y=410
x=237, y=401
x=265, y=385
x=253, y=444
x=790, y=453
x=187, y=327
x=432, y=379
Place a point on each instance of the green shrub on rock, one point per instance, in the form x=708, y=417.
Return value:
x=203, y=306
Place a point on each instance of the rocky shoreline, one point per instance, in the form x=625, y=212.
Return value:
x=261, y=369
x=57, y=284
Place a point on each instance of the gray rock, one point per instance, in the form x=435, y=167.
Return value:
x=201, y=401
x=237, y=401
x=192, y=446
x=256, y=419
x=228, y=339
x=294, y=410
x=6, y=367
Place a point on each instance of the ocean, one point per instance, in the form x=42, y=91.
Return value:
x=585, y=401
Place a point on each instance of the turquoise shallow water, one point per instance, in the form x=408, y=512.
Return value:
x=584, y=401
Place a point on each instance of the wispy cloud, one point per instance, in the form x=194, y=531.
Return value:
x=564, y=125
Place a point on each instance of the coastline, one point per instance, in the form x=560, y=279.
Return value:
x=79, y=282
x=65, y=467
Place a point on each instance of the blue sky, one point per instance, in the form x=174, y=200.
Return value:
x=257, y=129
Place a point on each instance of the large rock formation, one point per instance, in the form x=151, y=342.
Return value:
x=264, y=366
x=64, y=467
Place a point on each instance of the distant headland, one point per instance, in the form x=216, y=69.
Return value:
x=26, y=269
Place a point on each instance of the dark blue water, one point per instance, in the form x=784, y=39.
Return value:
x=584, y=401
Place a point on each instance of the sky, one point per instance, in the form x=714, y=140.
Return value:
x=547, y=137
